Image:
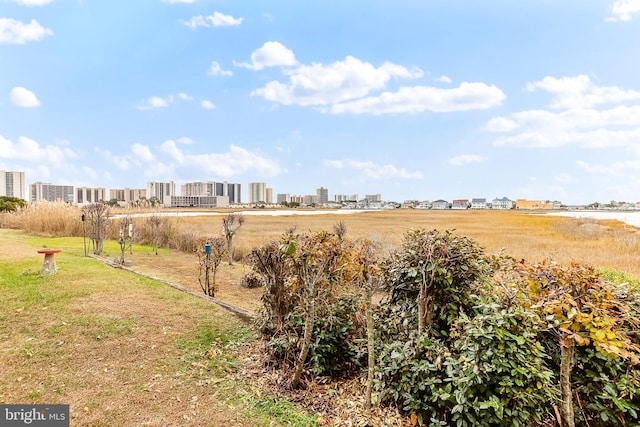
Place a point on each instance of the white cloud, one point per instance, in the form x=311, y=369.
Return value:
x=169, y=147
x=142, y=153
x=621, y=10
x=443, y=79
x=217, y=19
x=468, y=96
x=466, y=159
x=501, y=124
x=371, y=170
x=271, y=54
x=17, y=32
x=232, y=163
x=139, y=155
x=589, y=128
x=318, y=84
x=27, y=149
x=120, y=162
x=162, y=102
x=22, y=97
x=33, y=2
x=207, y=105
x=580, y=92
x=216, y=70
x=618, y=169
x=155, y=102
x=225, y=165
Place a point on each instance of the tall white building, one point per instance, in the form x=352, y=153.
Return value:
x=12, y=184
x=212, y=188
x=87, y=195
x=161, y=191
x=322, y=196
x=257, y=192
x=44, y=191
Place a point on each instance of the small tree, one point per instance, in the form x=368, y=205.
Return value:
x=209, y=258
x=582, y=309
x=269, y=262
x=438, y=269
x=314, y=259
x=230, y=225
x=125, y=235
x=366, y=263
x=97, y=215
x=155, y=223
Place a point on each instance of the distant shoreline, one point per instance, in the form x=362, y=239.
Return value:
x=628, y=217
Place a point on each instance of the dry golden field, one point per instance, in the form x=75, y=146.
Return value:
x=529, y=235
x=532, y=236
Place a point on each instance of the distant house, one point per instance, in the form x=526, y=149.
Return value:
x=440, y=204
x=533, y=204
x=460, y=204
x=479, y=203
x=502, y=203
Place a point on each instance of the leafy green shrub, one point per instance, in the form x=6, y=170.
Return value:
x=335, y=349
x=493, y=373
x=608, y=390
x=438, y=270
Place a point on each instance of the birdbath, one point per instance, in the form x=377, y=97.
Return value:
x=49, y=264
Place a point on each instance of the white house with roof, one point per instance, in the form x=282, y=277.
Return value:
x=503, y=203
x=479, y=203
x=460, y=204
x=440, y=204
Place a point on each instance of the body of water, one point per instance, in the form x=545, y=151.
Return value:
x=631, y=218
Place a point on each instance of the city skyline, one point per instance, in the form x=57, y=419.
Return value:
x=413, y=100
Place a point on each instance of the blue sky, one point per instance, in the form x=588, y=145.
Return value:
x=410, y=99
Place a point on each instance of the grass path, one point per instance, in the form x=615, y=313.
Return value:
x=120, y=349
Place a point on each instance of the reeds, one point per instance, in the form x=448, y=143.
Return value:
x=603, y=244
x=49, y=218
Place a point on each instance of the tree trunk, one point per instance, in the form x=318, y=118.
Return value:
x=370, y=349
x=422, y=305
x=567, y=353
x=310, y=318
x=230, y=249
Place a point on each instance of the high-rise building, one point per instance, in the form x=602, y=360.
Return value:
x=128, y=195
x=161, y=191
x=257, y=192
x=345, y=198
x=213, y=189
x=322, y=196
x=283, y=198
x=85, y=195
x=12, y=184
x=43, y=191
x=269, y=195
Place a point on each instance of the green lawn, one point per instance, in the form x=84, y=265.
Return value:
x=121, y=349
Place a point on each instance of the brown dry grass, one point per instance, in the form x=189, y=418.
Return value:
x=519, y=234
x=534, y=237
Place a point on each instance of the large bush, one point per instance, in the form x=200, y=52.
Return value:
x=462, y=339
